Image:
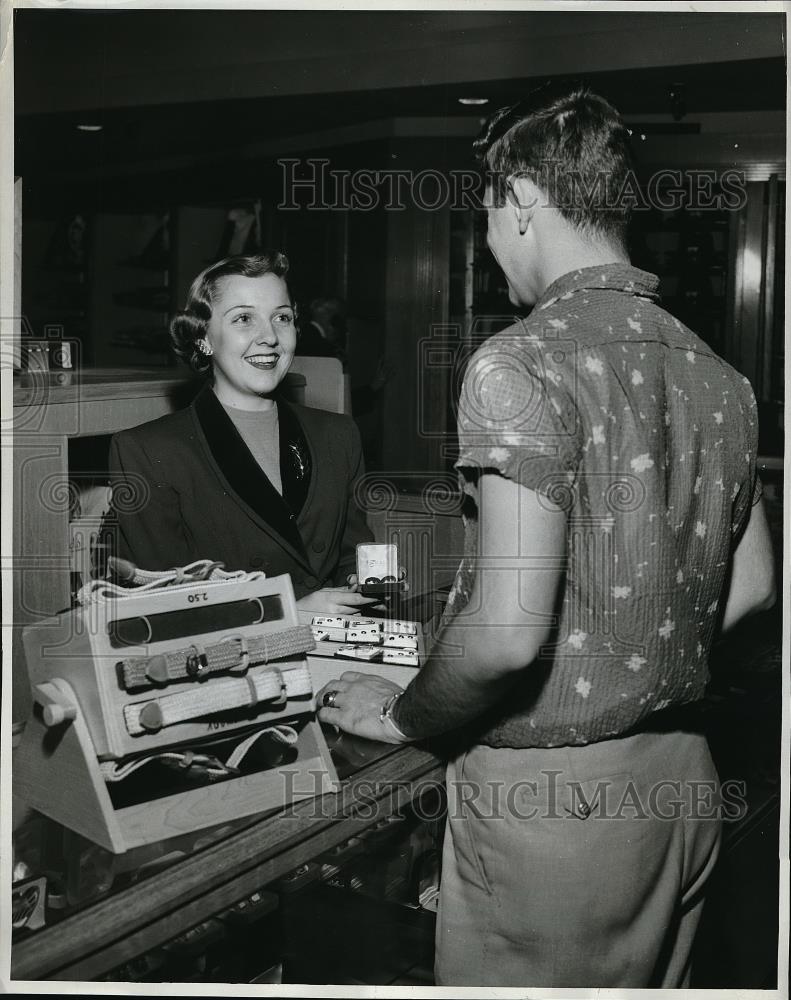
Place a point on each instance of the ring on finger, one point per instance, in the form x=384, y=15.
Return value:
x=328, y=701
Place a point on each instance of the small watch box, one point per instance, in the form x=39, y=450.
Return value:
x=377, y=570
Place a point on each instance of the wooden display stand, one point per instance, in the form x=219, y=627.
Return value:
x=81, y=701
x=57, y=773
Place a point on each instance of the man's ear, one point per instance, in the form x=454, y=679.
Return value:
x=525, y=198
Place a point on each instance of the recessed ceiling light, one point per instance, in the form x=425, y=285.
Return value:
x=90, y=128
x=473, y=100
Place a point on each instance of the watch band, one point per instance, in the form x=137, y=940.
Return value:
x=386, y=717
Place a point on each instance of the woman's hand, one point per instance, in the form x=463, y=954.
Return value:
x=383, y=601
x=335, y=601
x=353, y=582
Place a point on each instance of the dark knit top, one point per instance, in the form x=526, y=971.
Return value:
x=607, y=405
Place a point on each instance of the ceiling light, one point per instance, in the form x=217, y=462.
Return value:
x=473, y=100
x=90, y=128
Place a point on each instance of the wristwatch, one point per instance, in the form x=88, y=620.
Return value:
x=386, y=717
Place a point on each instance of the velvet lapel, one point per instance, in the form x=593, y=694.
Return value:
x=245, y=476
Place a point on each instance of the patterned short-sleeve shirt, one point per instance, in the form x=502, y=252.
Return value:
x=612, y=409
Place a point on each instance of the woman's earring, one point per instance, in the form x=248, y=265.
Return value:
x=204, y=347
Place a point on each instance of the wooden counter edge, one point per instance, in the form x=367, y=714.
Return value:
x=114, y=930
x=94, y=385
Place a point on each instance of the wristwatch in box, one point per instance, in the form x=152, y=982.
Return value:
x=377, y=569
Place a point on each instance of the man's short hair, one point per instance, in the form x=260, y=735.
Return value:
x=331, y=303
x=573, y=145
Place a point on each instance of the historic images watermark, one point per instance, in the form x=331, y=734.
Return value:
x=313, y=184
x=547, y=795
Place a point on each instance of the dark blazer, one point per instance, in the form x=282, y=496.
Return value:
x=186, y=487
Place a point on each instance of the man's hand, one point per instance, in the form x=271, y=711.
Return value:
x=385, y=370
x=357, y=703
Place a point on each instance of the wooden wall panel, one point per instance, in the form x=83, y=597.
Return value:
x=417, y=285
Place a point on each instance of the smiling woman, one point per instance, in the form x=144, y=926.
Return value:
x=241, y=476
x=251, y=336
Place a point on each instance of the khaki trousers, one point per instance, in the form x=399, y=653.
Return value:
x=577, y=866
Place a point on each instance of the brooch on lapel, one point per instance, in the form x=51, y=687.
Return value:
x=300, y=460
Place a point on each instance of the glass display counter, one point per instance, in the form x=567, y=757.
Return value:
x=105, y=912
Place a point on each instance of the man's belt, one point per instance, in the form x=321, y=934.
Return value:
x=233, y=653
x=210, y=764
x=221, y=695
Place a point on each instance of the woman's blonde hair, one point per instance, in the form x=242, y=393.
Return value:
x=191, y=324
